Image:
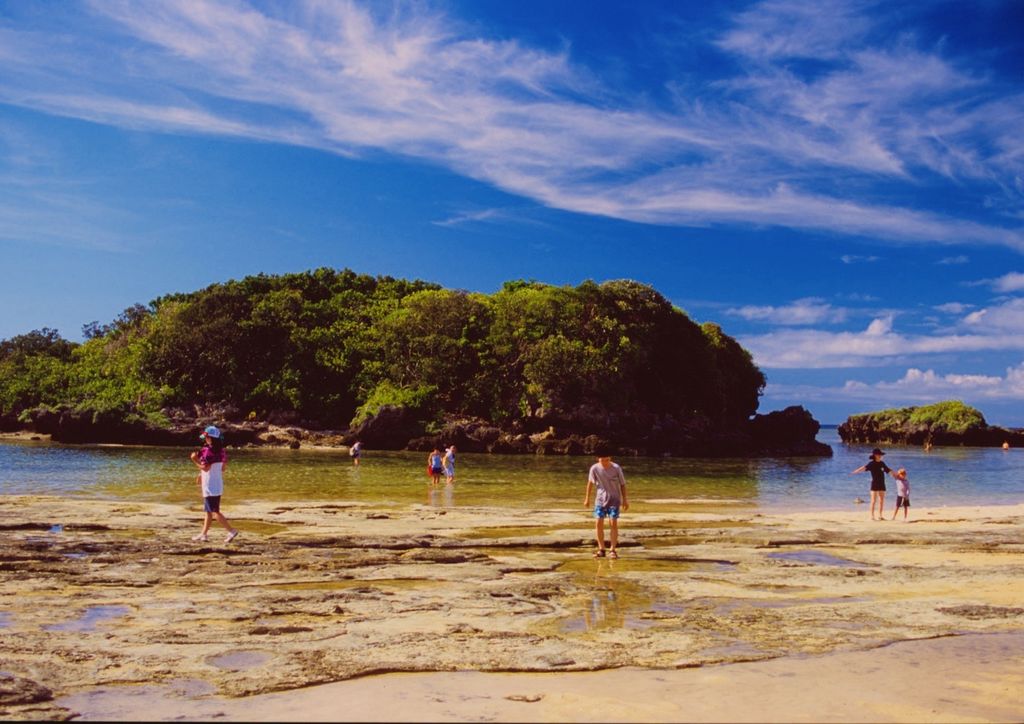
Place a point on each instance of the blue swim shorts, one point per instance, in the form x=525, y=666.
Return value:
x=606, y=511
x=211, y=504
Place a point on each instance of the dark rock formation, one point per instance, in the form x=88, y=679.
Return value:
x=787, y=432
x=390, y=429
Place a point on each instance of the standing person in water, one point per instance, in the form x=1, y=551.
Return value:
x=878, y=469
x=355, y=452
x=211, y=461
x=448, y=462
x=607, y=480
x=434, y=466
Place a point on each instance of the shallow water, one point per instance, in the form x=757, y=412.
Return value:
x=90, y=618
x=943, y=476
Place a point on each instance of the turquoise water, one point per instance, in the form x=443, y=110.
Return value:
x=943, y=476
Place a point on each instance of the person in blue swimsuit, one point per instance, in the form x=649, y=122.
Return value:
x=434, y=466
x=448, y=461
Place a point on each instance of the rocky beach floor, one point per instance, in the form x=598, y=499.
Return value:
x=102, y=599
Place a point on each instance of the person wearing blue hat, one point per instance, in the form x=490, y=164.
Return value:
x=212, y=461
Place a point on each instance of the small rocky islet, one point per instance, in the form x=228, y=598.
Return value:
x=949, y=423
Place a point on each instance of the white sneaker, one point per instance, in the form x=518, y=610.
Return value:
x=231, y=536
x=202, y=538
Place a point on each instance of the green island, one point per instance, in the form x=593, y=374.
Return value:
x=944, y=423
x=330, y=356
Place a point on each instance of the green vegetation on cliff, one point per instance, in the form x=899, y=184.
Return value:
x=328, y=347
x=950, y=416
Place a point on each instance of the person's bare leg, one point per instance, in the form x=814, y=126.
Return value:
x=881, y=505
x=874, y=500
x=206, y=523
x=599, y=534
x=615, y=533
x=223, y=521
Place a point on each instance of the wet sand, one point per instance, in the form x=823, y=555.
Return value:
x=107, y=609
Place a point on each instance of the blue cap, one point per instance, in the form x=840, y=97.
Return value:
x=211, y=431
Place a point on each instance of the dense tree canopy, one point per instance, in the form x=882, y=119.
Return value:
x=331, y=347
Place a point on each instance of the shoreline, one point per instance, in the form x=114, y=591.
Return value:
x=315, y=592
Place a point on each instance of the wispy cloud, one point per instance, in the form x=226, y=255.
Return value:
x=857, y=259
x=949, y=260
x=952, y=307
x=468, y=217
x=763, y=147
x=812, y=310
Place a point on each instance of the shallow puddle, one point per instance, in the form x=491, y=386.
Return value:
x=741, y=603
x=616, y=599
x=817, y=558
x=5, y=619
x=239, y=660
x=76, y=555
x=90, y=619
x=684, y=524
x=508, y=532
x=348, y=583
x=56, y=528
x=259, y=527
x=646, y=564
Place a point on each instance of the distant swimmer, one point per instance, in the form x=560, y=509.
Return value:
x=1006, y=444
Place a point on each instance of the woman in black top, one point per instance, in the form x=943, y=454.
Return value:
x=878, y=469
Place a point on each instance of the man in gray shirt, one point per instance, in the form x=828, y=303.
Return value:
x=610, y=484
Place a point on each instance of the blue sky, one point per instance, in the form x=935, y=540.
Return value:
x=839, y=184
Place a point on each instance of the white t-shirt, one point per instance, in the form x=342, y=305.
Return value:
x=609, y=482
x=213, y=480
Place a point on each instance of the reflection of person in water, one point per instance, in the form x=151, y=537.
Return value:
x=603, y=610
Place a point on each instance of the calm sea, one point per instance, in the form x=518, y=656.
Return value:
x=946, y=476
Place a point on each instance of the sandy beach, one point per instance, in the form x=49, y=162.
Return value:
x=328, y=611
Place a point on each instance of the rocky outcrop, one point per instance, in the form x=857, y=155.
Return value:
x=789, y=432
x=901, y=429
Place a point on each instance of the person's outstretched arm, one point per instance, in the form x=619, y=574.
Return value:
x=861, y=469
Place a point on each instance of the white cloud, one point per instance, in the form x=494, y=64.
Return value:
x=952, y=307
x=855, y=259
x=915, y=387
x=1001, y=319
x=1011, y=282
x=958, y=259
x=353, y=79
x=800, y=312
x=876, y=345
